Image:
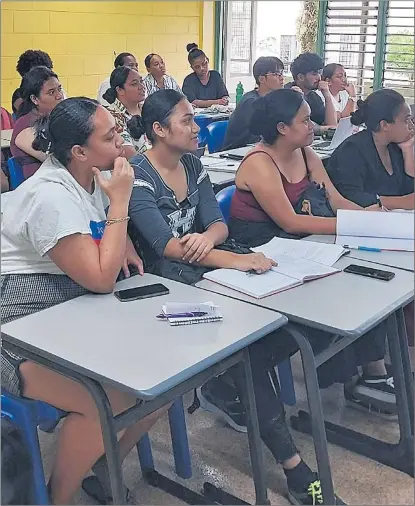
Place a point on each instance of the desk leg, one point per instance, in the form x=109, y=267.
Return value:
x=110, y=440
x=399, y=456
x=316, y=411
x=254, y=438
x=406, y=362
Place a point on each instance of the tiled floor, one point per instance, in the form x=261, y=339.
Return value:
x=220, y=455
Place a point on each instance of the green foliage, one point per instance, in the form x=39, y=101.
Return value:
x=307, y=25
x=399, y=55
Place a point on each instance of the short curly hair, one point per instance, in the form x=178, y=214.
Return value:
x=33, y=58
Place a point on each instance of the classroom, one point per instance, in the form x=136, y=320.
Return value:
x=207, y=252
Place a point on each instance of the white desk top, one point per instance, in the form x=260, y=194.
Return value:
x=122, y=342
x=398, y=259
x=246, y=149
x=343, y=303
x=6, y=136
x=221, y=177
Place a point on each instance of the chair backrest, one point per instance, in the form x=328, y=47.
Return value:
x=216, y=137
x=16, y=176
x=224, y=198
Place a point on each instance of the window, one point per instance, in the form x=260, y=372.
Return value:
x=288, y=49
x=240, y=57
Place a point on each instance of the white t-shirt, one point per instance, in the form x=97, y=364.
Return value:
x=105, y=85
x=339, y=101
x=45, y=208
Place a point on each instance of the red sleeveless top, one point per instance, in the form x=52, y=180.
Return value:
x=245, y=207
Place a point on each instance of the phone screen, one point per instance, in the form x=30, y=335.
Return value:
x=361, y=270
x=142, y=292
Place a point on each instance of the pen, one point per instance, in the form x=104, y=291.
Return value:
x=163, y=316
x=364, y=248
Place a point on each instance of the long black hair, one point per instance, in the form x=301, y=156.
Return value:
x=381, y=105
x=69, y=124
x=278, y=106
x=158, y=107
x=32, y=84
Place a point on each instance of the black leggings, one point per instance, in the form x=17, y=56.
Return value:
x=280, y=345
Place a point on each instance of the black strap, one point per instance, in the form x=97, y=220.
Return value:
x=275, y=163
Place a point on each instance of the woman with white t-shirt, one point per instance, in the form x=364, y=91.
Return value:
x=58, y=242
x=343, y=93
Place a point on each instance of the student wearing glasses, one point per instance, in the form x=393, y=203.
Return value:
x=269, y=75
x=157, y=79
x=41, y=93
x=203, y=87
x=377, y=164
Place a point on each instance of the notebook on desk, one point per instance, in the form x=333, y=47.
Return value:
x=298, y=263
x=375, y=230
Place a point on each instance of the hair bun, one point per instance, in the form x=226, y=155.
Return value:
x=136, y=127
x=42, y=141
x=190, y=47
x=110, y=95
x=359, y=116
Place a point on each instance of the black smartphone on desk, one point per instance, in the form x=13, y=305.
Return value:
x=368, y=272
x=231, y=156
x=142, y=292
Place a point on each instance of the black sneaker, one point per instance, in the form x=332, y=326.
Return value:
x=311, y=496
x=221, y=399
x=373, y=393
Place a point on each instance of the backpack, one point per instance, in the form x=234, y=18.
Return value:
x=16, y=466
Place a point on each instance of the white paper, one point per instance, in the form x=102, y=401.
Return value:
x=220, y=164
x=326, y=254
x=375, y=224
x=301, y=269
x=381, y=243
x=255, y=285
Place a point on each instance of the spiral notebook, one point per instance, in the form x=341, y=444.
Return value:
x=188, y=313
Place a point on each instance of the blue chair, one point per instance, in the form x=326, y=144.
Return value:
x=216, y=135
x=28, y=415
x=286, y=382
x=224, y=198
x=16, y=176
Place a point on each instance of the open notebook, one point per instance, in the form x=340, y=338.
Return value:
x=298, y=262
x=375, y=230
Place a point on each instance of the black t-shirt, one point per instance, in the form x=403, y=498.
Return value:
x=238, y=133
x=317, y=106
x=213, y=90
x=358, y=173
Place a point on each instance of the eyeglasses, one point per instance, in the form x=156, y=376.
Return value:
x=277, y=73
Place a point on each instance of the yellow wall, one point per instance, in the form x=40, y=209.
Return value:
x=81, y=37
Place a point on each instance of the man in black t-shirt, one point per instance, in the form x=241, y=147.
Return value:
x=306, y=71
x=268, y=73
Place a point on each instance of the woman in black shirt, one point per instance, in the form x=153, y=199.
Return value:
x=376, y=165
x=203, y=87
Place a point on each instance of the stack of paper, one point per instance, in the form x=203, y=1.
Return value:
x=375, y=230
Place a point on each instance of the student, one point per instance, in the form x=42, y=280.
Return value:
x=203, y=87
x=157, y=79
x=125, y=94
x=58, y=243
x=342, y=93
x=28, y=60
x=41, y=92
x=306, y=70
x=377, y=164
x=122, y=60
x=176, y=215
x=279, y=179
x=269, y=75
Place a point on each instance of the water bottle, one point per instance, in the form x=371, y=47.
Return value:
x=239, y=92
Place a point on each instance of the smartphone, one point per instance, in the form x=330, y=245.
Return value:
x=141, y=292
x=361, y=270
x=231, y=156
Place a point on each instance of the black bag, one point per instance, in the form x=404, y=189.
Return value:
x=314, y=202
x=16, y=467
x=191, y=273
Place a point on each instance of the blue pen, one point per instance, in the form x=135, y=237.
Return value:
x=364, y=248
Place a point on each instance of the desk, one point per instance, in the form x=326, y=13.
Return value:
x=6, y=136
x=398, y=259
x=330, y=304
x=246, y=149
x=157, y=362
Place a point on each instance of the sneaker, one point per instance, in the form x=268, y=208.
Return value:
x=373, y=393
x=221, y=399
x=311, y=496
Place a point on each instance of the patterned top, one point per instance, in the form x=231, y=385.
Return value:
x=151, y=84
x=122, y=116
